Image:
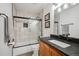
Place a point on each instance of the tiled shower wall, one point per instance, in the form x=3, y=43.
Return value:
x=24, y=36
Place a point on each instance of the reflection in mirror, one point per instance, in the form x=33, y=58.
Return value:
x=68, y=15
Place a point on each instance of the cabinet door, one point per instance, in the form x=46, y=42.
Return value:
x=44, y=49
x=52, y=52
x=55, y=52
x=41, y=49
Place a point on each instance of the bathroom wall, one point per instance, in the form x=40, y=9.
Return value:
x=14, y=10
x=56, y=25
x=48, y=31
x=26, y=14
x=71, y=15
x=5, y=8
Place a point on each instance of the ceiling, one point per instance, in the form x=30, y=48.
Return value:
x=34, y=9
x=31, y=7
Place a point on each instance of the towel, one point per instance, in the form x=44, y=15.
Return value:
x=65, y=29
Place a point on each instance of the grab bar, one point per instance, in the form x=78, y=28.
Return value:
x=6, y=32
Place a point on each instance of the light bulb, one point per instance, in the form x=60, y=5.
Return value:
x=59, y=9
x=65, y=6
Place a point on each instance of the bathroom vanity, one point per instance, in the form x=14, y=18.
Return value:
x=47, y=50
x=49, y=47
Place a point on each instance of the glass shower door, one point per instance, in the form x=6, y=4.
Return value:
x=29, y=35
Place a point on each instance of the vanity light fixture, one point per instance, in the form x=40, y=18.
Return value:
x=65, y=6
x=53, y=7
x=59, y=9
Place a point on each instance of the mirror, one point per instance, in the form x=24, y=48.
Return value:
x=69, y=15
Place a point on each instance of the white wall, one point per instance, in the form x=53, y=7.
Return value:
x=14, y=10
x=71, y=16
x=5, y=8
x=56, y=25
x=26, y=14
x=48, y=31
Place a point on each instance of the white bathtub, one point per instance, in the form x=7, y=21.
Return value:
x=24, y=48
x=25, y=43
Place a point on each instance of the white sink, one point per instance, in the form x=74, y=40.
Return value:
x=59, y=43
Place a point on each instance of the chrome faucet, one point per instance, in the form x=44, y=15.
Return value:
x=66, y=35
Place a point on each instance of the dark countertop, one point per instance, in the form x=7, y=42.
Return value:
x=72, y=50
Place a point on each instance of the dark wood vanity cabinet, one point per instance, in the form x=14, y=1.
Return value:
x=46, y=50
x=55, y=52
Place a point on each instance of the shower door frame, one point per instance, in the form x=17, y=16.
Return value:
x=26, y=19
